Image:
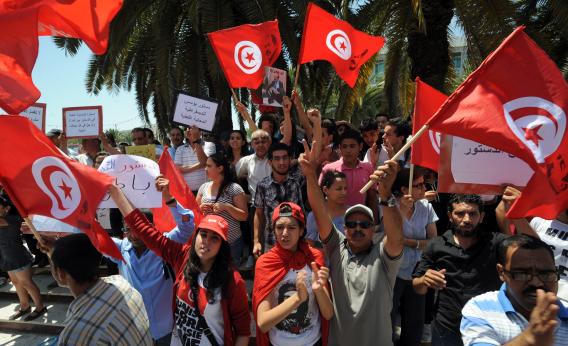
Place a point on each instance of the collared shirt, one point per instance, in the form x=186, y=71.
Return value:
x=187, y=156
x=469, y=272
x=85, y=159
x=152, y=277
x=109, y=313
x=356, y=178
x=362, y=287
x=490, y=319
x=254, y=169
x=270, y=193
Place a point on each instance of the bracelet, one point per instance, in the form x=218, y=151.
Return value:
x=170, y=201
x=417, y=244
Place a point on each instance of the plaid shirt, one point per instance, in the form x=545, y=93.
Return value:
x=269, y=194
x=109, y=313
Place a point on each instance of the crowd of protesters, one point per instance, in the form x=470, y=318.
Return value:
x=331, y=266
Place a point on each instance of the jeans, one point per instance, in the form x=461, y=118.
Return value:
x=164, y=340
x=442, y=336
x=237, y=251
x=411, y=308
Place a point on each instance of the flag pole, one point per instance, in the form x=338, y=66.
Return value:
x=235, y=98
x=34, y=230
x=420, y=132
x=410, y=179
x=297, y=76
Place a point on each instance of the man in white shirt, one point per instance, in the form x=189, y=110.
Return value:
x=192, y=157
x=255, y=167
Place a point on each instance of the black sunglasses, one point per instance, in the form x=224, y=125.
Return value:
x=361, y=224
x=544, y=276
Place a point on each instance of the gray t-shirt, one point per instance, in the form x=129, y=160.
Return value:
x=362, y=287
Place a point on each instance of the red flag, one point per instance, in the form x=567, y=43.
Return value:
x=244, y=50
x=516, y=101
x=20, y=24
x=328, y=38
x=41, y=180
x=426, y=149
x=178, y=188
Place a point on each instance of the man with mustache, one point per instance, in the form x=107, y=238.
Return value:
x=526, y=310
x=461, y=264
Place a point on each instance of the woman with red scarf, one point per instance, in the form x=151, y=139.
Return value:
x=289, y=308
x=211, y=305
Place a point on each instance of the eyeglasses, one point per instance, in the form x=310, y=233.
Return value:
x=544, y=276
x=361, y=224
x=259, y=141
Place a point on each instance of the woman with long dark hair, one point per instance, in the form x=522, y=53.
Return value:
x=222, y=196
x=291, y=299
x=237, y=148
x=211, y=303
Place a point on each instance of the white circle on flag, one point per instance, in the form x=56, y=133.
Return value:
x=248, y=56
x=542, y=134
x=338, y=42
x=435, y=140
x=57, y=181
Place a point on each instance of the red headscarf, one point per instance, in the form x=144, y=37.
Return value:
x=272, y=267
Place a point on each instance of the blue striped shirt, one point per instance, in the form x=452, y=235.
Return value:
x=490, y=319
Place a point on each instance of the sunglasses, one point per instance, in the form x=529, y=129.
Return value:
x=361, y=224
x=544, y=276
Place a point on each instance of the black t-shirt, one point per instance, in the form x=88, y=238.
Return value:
x=469, y=273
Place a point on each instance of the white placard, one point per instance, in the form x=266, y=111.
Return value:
x=475, y=163
x=103, y=217
x=48, y=224
x=82, y=122
x=136, y=176
x=36, y=113
x=192, y=111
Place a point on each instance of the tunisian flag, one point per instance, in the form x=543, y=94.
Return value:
x=516, y=101
x=163, y=219
x=20, y=24
x=426, y=149
x=41, y=180
x=243, y=52
x=328, y=38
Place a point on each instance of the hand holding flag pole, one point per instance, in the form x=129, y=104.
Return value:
x=398, y=154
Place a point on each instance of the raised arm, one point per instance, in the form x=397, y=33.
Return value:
x=242, y=110
x=510, y=195
x=302, y=116
x=287, y=126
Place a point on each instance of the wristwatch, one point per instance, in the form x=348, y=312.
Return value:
x=390, y=202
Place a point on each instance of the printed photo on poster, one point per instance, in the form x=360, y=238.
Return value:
x=273, y=86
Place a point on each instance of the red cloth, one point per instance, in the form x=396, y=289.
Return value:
x=178, y=189
x=20, y=24
x=244, y=51
x=236, y=316
x=516, y=101
x=426, y=150
x=41, y=180
x=327, y=38
x=272, y=267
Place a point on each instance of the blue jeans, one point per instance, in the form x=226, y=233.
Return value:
x=442, y=336
x=237, y=251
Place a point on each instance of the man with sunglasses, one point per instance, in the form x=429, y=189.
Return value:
x=362, y=273
x=525, y=311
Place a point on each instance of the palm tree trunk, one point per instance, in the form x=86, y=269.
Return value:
x=429, y=50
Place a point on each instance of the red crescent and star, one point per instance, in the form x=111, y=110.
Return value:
x=531, y=134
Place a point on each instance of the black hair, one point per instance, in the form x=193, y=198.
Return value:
x=401, y=127
x=244, y=149
x=382, y=115
x=402, y=178
x=139, y=129
x=268, y=117
x=329, y=124
x=368, y=125
x=77, y=256
x=176, y=128
x=521, y=241
x=149, y=133
x=465, y=198
x=218, y=277
x=351, y=134
x=220, y=159
x=278, y=146
x=329, y=178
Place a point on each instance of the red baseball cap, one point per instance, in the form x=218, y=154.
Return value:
x=216, y=224
x=288, y=209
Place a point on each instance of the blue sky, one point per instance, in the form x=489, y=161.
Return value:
x=61, y=80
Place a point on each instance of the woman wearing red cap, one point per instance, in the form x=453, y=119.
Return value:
x=291, y=300
x=205, y=278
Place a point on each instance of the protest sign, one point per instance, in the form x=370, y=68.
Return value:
x=190, y=111
x=147, y=151
x=47, y=224
x=469, y=167
x=83, y=122
x=36, y=113
x=136, y=176
x=273, y=86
